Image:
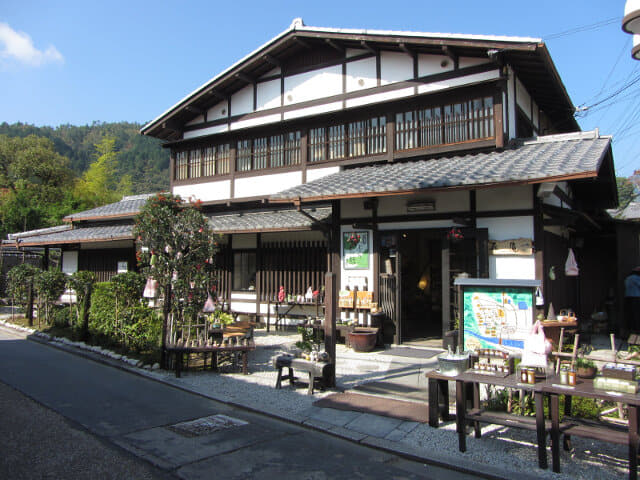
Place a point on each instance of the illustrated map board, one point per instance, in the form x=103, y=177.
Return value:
x=497, y=314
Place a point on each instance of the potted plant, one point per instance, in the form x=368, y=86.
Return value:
x=585, y=368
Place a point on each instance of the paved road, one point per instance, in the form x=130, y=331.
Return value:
x=107, y=406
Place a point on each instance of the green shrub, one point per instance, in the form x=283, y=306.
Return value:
x=50, y=284
x=19, y=278
x=102, y=317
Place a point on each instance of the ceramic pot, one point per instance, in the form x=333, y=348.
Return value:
x=362, y=341
x=586, y=372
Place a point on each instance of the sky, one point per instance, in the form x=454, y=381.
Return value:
x=76, y=62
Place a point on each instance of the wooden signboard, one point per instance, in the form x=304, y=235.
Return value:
x=516, y=246
x=345, y=299
x=364, y=300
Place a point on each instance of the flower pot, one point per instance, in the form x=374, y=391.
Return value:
x=362, y=341
x=586, y=372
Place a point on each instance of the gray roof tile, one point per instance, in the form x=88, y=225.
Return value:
x=267, y=220
x=78, y=235
x=546, y=158
x=128, y=206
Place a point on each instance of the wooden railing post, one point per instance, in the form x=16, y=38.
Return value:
x=330, y=312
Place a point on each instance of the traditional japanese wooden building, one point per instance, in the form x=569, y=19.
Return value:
x=396, y=160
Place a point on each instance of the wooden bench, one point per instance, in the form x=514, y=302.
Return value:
x=316, y=370
x=241, y=349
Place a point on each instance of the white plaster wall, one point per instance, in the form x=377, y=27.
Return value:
x=523, y=98
x=380, y=97
x=242, y=307
x=505, y=228
x=195, y=121
x=243, y=296
x=319, y=83
x=70, y=262
x=318, y=109
x=395, y=67
x=242, y=101
x=268, y=94
x=270, y=73
x=445, y=202
x=206, y=131
x=315, y=173
x=432, y=64
x=205, y=192
x=504, y=198
x=471, y=61
x=215, y=112
x=244, y=240
x=266, y=184
x=253, y=122
x=361, y=74
x=457, y=82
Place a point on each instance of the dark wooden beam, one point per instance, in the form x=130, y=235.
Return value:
x=334, y=45
x=449, y=52
x=217, y=94
x=558, y=192
x=272, y=60
x=368, y=47
x=406, y=49
x=194, y=109
x=173, y=126
x=302, y=43
x=245, y=77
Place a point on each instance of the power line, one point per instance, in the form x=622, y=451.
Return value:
x=582, y=28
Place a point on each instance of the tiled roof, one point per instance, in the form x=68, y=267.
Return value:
x=556, y=157
x=80, y=235
x=267, y=220
x=126, y=207
x=631, y=212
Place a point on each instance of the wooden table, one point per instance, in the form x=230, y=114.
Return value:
x=595, y=430
x=477, y=415
x=438, y=402
x=552, y=329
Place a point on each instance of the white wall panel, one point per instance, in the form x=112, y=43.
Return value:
x=380, y=97
x=432, y=64
x=511, y=104
x=218, y=111
x=395, y=67
x=266, y=184
x=459, y=81
x=305, y=112
x=205, y=192
x=361, y=74
x=268, y=94
x=206, y=131
x=315, y=173
x=242, y=101
x=523, y=98
x=252, y=122
x=471, y=61
x=352, y=52
x=506, y=228
x=504, y=198
x=319, y=83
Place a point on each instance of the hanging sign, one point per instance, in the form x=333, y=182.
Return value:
x=515, y=246
x=355, y=250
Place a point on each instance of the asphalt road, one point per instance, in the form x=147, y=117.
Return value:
x=83, y=419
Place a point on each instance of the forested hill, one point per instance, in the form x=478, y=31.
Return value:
x=141, y=157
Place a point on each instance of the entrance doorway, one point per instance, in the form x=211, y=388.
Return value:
x=420, y=266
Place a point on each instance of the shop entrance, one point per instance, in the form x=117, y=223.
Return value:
x=423, y=265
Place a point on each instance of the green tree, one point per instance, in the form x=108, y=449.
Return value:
x=20, y=282
x=34, y=180
x=626, y=192
x=101, y=184
x=82, y=283
x=177, y=248
x=50, y=284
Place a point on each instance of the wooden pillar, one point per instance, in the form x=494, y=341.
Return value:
x=446, y=287
x=330, y=313
x=45, y=259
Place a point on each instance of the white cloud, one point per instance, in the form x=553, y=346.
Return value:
x=19, y=46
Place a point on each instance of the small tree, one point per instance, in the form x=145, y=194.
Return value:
x=177, y=249
x=127, y=288
x=82, y=283
x=21, y=278
x=50, y=284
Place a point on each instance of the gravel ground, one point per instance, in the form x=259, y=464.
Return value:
x=513, y=450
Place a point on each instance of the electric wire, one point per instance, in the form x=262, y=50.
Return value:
x=582, y=28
